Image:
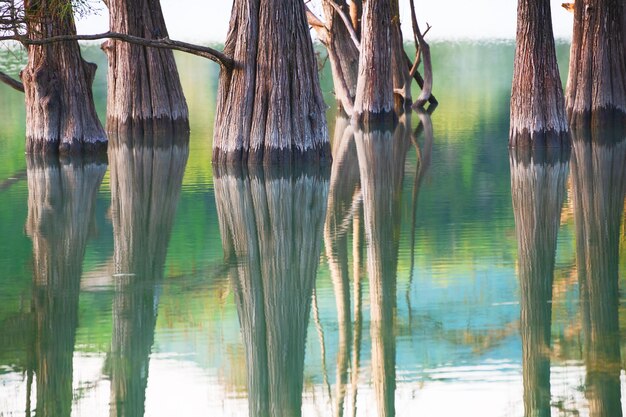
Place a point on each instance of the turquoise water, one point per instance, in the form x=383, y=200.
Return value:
x=428, y=272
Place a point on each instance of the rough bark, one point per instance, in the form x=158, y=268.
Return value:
x=61, y=202
x=538, y=115
x=343, y=56
x=596, y=87
x=374, y=103
x=270, y=107
x=145, y=186
x=60, y=112
x=144, y=90
x=271, y=226
x=538, y=188
x=598, y=180
x=381, y=156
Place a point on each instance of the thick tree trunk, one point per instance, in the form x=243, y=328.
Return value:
x=60, y=112
x=144, y=90
x=145, y=185
x=61, y=202
x=596, y=87
x=374, y=103
x=538, y=187
x=270, y=107
x=274, y=245
x=537, y=106
x=381, y=156
x=598, y=179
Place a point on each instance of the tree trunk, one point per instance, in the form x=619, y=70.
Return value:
x=598, y=179
x=343, y=56
x=400, y=72
x=270, y=107
x=144, y=90
x=537, y=108
x=374, y=101
x=538, y=187
x=273, y=245
x=61, y=202
x=596, y=87
x=60, y=112
x=145, y=185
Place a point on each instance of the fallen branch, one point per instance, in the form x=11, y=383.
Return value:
x=214, y=55
x=419, y=80
x=11, y=82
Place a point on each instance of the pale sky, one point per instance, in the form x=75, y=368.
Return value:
x=207, y=20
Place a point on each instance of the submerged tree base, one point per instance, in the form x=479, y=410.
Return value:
x=161, y=127
x=535, y=140
x=74, y=147
x=605, y=119
x=320, y=154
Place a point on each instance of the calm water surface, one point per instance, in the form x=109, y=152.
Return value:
x=407, y=280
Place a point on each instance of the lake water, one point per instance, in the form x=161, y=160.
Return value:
x=407, y=280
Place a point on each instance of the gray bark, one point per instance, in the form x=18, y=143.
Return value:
x=598, y=179
x=60, y=112
x=538, y=115
x=271, y=226
x=145, y=187
x=144, y=90
x=270, y=107
x=538, y=188
x=61, y=202
x=596, y=87
x=374, y=101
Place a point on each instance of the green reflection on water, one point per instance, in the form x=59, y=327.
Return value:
x=395, y=285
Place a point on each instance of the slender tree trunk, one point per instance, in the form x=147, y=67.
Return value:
x=537, y=106
x=538, y=187
x=274, y=244
x=61, y=202
x=598, y=179
x=343, y=56
x=145, y=185
x=144, y=90
x=60, y=112
x=270, y=107
x=596, y=87
x=374, y=101
x=400, y=71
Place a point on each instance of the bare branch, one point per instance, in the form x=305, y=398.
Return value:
x=347, y=22
x=222, y=59
x=424, y=50
x=11, y=82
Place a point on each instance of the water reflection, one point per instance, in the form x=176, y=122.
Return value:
x=538, y=179
x=271, y=226
x=145, y=188
x=365, y=201
x=598, y=180
x=61, y=201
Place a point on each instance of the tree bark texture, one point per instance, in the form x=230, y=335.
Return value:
x=598, y=180
x=400, y=72
x=144, y=90
x=538, y=187
x=271, y=226
x=60, y=112
x=61, y=202
x=270, y=107
x=374, y=101
x=381, y=156
x=538, y=115
x=596, y=87
x=343, y=56
x=145, y=187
